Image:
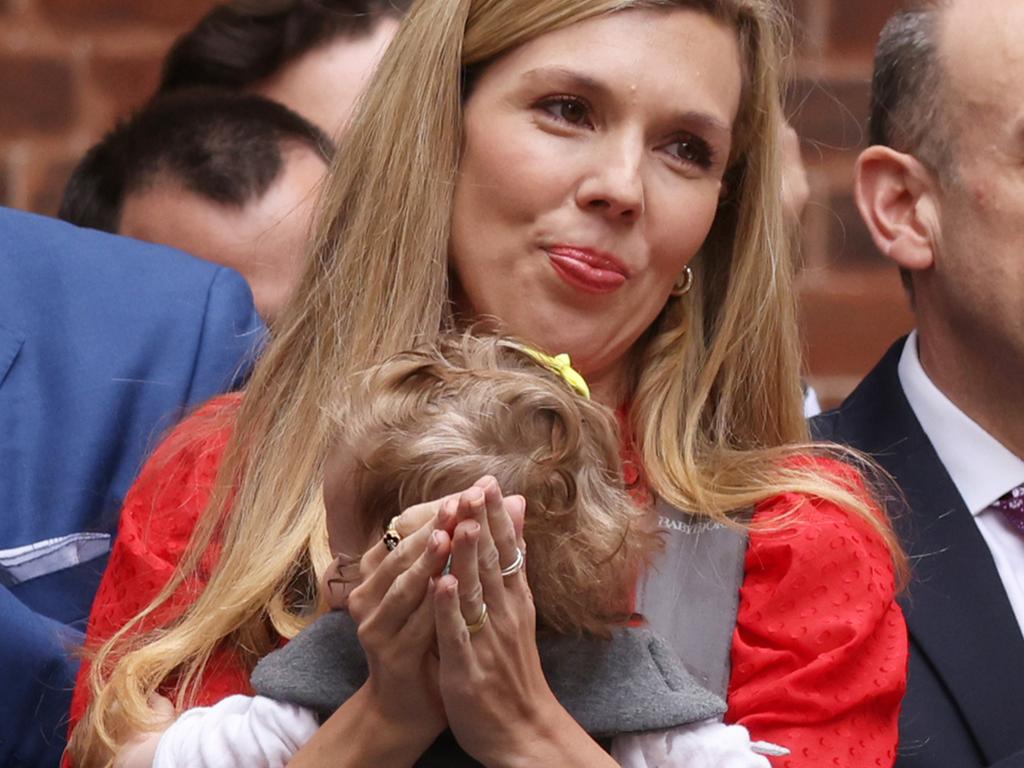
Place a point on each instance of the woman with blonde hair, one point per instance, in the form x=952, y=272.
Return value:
x=598, y=177
x=430, y=422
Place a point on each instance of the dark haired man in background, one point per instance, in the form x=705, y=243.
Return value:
x=228, y=177
x=942, y=192
x=314, y=56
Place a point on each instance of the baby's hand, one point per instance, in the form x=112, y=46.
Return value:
x=140, y=749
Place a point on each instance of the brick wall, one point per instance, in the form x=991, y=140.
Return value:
x=68, y=68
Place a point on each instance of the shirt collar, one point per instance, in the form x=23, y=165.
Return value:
x=982, y=468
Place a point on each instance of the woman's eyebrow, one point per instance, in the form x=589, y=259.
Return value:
x=569, y=77
x=574, y=79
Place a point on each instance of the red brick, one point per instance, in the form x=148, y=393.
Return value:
x=831, y=114
x=47, y=188
x=37, y=95
x=127, y=81
x=176, y=13
x=849, y=243
x=854, y=25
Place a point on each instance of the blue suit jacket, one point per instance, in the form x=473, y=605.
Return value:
x=104, y=343
x=965, y=688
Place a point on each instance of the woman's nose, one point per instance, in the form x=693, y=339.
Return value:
x=613, y=184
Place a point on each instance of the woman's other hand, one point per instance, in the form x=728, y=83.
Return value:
x=499, y=705
x=394, y=614
x=346, y=572
x=395, y=716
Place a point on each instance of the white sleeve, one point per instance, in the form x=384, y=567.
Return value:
x=709, y=744
x=243, y=731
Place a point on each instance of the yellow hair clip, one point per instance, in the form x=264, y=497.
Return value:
x=560, y=364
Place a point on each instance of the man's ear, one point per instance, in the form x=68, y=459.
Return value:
x=895, y=194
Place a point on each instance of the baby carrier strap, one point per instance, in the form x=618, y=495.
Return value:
x=690, y=595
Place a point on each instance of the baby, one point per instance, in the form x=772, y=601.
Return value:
x=429, y=423
x=432, y=422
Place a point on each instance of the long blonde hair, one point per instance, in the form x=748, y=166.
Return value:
x=716, y=408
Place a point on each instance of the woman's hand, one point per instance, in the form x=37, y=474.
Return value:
x=397, y=713
x=393, y=609
x=498, y=703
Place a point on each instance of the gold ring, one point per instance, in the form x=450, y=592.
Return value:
x=477, y=625
x=392, y=538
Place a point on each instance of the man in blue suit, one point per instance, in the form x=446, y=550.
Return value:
x=104, y=343
x=942, y=192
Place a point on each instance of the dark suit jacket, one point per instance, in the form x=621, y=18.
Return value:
x=104, y=342
x=965, y=700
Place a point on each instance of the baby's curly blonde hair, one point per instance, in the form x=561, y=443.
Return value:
x=432, y=421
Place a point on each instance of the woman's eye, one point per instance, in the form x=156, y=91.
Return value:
x=568, y=110
x=692, y=150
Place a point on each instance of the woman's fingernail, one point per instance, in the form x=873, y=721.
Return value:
x=435, y=541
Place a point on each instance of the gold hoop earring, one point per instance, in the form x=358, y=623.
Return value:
x=682, y=286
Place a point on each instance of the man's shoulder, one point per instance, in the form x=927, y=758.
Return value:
x=40, y=255
x=64, y=288
x=875, y=405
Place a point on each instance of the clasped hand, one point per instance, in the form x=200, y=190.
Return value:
x=427, y=668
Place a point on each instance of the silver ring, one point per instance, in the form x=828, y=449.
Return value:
x=517, y=564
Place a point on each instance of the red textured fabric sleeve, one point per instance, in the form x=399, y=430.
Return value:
x=819, y=655
x=157, y=520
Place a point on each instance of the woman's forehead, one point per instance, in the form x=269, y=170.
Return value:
x=681, y=59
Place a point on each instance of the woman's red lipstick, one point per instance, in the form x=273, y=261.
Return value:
x=586, y=269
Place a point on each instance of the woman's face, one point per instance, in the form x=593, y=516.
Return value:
x=591, y=172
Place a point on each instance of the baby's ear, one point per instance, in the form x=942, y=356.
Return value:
x=338, y=580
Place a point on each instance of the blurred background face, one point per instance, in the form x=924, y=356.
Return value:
x=324, y=84
x=264, y=240
x=591, y=173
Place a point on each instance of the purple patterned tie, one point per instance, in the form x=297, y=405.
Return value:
x=1012, y=505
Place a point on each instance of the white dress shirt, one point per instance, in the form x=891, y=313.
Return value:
x=982, y=469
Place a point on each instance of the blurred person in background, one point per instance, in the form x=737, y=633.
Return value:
x=314, y=56
x=228, y=177
x=104, y=342
x=942, y=192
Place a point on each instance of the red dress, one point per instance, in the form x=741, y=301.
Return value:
x=819, y=654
